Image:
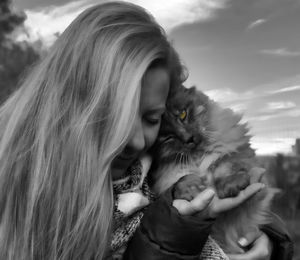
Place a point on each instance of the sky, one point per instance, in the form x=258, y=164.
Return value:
x=243, y=54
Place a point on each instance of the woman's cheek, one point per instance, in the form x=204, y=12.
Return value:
x=151, y=135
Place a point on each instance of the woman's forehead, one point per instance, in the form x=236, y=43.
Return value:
x=155, y=88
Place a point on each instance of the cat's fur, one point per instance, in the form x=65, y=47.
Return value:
x=211, y=143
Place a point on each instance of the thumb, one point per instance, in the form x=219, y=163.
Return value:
x=248, y=238
x=256, y=174
x=199, y=203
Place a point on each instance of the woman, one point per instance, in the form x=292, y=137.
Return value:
x=77, y=122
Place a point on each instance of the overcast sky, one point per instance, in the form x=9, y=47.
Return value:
x=244, y=54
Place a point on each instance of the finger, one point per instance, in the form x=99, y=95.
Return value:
x=230, y=203
x=202, y=200
x=252, y=254
x=237, y=257
x=258, y=251
x=249, y=238
x=256, y=174
x=183, y=207
x=199, y=203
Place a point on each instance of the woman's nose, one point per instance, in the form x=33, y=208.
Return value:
x=137, y=141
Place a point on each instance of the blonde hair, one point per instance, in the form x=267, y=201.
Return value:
x=61, y=130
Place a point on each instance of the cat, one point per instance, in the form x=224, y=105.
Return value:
x=197, y=136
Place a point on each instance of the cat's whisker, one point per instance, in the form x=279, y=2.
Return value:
x=181, y=158
x=177, y=158
x=185, y=159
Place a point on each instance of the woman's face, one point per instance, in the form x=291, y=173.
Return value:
x=154, y=94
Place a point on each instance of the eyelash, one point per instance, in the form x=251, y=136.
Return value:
x=152, y=121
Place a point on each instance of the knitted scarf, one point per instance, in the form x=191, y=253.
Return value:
x=131, y=196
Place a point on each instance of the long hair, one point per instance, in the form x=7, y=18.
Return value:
x=60, y=131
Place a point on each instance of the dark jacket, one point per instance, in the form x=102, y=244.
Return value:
x=164, y=234
x=282, y=243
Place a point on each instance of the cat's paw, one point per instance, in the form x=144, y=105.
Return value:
x=230, y=186
x=189, y=186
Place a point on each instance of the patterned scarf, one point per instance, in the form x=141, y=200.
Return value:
x=132, y=195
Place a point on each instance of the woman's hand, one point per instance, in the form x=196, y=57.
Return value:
x=208, y=205
x=260, y=248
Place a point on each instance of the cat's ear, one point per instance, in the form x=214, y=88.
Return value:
x=176, y=89
x=199, y=109
x=192, y=90
x=182, y=88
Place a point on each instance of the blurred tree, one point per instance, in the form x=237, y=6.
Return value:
x=15, y=57
x=286, y=170
x=279, y=172
x=296, y=147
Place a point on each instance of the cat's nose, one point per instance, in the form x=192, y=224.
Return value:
x=191, y=145
x=193, y=141
x=190, y=142
x=197, y=139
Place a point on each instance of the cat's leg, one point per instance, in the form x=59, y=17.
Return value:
x=230, y=178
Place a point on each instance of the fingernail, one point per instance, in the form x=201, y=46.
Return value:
x=243, y=242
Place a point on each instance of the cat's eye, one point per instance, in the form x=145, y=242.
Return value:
x=182, y=115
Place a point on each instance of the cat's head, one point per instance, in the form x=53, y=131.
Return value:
x=184, y=125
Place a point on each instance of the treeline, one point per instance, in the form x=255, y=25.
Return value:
x=284, y=173
x=15, y=57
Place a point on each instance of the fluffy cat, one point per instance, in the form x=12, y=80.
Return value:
x=199, y=137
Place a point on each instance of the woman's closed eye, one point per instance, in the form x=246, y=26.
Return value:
x=153, y=120
x=153, y=116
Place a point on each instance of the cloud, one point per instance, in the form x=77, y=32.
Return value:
x=260, y=113
x=237, y=101
x=280, y=105
x=227, y=95
x=171, y=14
x=256, y=23
x=281, y=52
x=43, y=24
x=268, y=115
x=268, y=146
x=287, y=89
x=239, y=107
